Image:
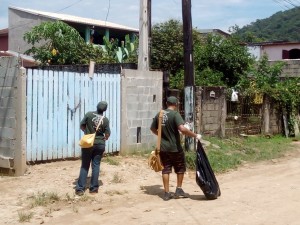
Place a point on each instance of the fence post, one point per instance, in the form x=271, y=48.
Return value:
x=20, y=149
x=266, y=115
x=223, y=113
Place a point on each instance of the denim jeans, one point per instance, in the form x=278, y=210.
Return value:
x=90, y=156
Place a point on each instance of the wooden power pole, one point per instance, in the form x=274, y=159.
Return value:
x=189, y=78
x=143, y=57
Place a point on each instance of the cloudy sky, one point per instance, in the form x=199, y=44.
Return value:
x=212, y=14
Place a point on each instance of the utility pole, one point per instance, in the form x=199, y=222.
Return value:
x=143, y=56
x=189, y=78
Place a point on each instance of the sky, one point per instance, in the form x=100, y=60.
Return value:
x=212, y=14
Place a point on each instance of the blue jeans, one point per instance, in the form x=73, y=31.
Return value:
x=89, y=156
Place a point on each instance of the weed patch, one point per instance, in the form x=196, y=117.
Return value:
x=25, y=217
x=234, y=151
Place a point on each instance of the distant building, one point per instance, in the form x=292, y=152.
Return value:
x=275, y=51
x=205, y=32
x=22, y=20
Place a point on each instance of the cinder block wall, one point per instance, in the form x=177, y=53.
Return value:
x=12, y=117
x=290, y=69
x=20, y=22
x=141, y=99
x=210, y=107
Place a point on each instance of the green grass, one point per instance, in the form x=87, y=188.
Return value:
x=234, y=151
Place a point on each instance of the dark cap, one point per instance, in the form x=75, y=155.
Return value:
x=172, y=100
x=102, y=106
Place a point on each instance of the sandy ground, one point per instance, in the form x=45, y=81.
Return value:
x=263, y=193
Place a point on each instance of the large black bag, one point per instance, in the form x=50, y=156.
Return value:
x=205, y=176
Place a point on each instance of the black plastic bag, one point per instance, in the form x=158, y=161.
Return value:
x=205, y=176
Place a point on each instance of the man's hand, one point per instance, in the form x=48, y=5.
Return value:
x=198, y=137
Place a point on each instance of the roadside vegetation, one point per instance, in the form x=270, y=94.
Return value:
x=228, y=154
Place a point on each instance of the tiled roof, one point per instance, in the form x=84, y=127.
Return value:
x=76, y=19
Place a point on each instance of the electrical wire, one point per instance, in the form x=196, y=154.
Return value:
x=107, y=12
x=15, y=27
x=283, y=6
x=290, y=2
x=69, y=6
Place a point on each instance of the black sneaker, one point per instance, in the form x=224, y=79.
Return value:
x=179, y=193
x=79, y=192
x=94, y=191
x=167, y=196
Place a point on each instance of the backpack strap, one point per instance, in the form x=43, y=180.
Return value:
x=99, y=123
x=160, y=116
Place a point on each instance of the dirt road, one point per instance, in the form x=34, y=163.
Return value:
x=130, y=193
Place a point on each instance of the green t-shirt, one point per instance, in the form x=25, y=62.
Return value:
x=91, y=120
x=170, y=137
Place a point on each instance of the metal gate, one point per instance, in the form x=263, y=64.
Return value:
x=243, y=117
x=57, y=101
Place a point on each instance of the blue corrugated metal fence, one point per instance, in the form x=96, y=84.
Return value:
x=57, y=101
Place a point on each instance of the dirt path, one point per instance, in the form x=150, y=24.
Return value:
x=263, y=193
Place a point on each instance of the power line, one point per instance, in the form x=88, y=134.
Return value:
x=281, y=4
x=107, y=12
x=290, y=2
x=68, y=6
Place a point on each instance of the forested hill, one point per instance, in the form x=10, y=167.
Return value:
x=281, y=26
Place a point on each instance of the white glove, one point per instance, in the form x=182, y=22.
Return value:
x=198, y=137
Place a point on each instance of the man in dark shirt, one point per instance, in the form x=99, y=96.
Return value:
x=94, y=154
x=171, y=152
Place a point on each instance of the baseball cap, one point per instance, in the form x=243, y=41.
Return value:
x=172, y=100
x=102, y=106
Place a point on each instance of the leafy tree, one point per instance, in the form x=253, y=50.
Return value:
x=223, y=60
x=217, y=60
x=55, y=43
x=262, y=78
x=58, y=43
x=266, y=79
x=167, y=46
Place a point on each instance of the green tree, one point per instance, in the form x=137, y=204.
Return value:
x=57, y=43
x=266, y=79
x=225, y=59
x=167, y=46
x=218, y=60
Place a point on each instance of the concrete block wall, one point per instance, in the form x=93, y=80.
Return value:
x=20, y=22
x=290, y=69
x=210, y=111
x=12, y=117
x=141, y=99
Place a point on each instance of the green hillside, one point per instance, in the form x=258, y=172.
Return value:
x=282, y=26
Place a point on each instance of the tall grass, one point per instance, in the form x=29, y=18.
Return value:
x=234, y=151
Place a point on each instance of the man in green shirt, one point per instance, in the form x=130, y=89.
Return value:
x=94, y=154
x=171, y=152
